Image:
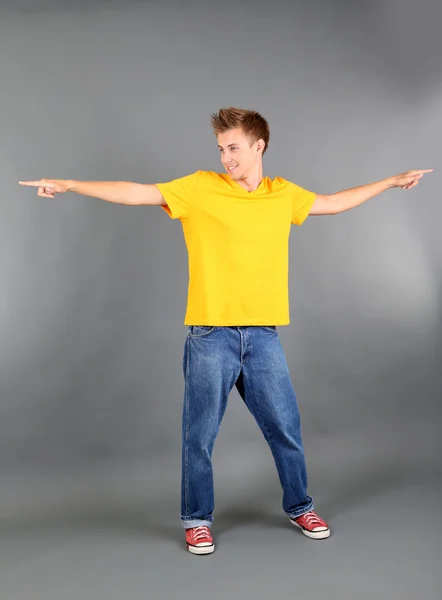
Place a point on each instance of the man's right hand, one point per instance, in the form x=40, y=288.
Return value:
x=47, y=188
x=121, y=192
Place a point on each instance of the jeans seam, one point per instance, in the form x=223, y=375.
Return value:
x=201, y=335
x=186, y=441
x=270, y=439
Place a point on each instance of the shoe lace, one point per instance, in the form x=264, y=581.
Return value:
x=313, y=519
x=201, y=532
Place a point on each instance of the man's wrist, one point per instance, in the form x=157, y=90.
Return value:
x=390, y=182
x=71, y=185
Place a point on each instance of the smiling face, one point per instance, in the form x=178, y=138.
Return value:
x=240, y=157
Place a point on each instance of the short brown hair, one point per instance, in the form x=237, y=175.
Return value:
x=250, y=121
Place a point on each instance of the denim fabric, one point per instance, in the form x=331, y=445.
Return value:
x=252, y=358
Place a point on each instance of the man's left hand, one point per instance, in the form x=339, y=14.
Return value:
x=409, y=179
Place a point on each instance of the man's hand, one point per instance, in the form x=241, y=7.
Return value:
x=47, y=188
x=333, y=204
x=408, y=179
x=120, y=192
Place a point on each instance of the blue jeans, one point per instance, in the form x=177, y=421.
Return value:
x=252, y=358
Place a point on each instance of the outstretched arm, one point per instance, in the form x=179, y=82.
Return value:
x=120, y=192
x=332, y=204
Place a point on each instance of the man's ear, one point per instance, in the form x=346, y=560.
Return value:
x=260, y=145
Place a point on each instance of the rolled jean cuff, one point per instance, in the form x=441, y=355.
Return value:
x=189, y=523
x=295, y=515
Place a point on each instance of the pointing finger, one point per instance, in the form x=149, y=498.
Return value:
x=34, y=183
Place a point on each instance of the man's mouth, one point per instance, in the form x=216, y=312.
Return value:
x=230, y=169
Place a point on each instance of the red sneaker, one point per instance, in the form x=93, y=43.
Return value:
x=312, y=526
x=199, y=540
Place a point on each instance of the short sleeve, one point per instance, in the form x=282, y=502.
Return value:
x=302, y=201
x=179, y=195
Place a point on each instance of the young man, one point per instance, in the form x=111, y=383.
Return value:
x=236, y=227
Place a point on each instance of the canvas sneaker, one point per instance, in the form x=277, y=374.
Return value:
x=199, y=540
x=312, y=525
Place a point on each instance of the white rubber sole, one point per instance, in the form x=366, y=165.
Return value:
x=314, y=535
x=201, y=549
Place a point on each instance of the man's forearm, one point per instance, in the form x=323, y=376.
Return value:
x=120, y=192
x=347, y=199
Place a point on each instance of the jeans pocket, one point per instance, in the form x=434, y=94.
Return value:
x=197, y=331
x=271, y=328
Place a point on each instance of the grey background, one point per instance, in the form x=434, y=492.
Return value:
x=93, y=298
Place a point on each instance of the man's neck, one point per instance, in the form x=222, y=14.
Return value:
x=251, y=182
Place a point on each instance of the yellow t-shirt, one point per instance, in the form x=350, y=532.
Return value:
x=237, y=243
